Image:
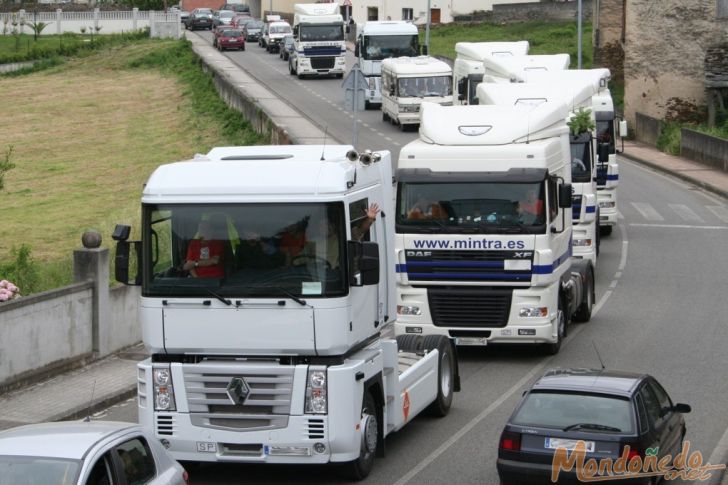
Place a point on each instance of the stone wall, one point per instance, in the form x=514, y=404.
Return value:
x=607, y=34
x=521, y=12
x=664, y=56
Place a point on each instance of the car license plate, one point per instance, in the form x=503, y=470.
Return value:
x=205, y=447
x=471, y=341
x=553, y=443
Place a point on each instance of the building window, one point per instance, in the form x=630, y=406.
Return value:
x=372, y=13
x=721, y=9
x=407, y=14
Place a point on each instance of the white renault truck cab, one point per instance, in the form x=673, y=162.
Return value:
x=468, y=67
x=407, y=82
x=484, y=227
x=265, y=286
x=379, y=40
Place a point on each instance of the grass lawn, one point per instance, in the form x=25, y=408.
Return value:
x=88, y=133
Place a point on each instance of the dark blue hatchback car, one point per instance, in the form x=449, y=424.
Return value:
x=610, y=414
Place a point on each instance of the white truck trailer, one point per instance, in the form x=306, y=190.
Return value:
x=273, y=353
x=578, y=92
x=318, y=41
x=468, y=67
x=407, y=82
x=380, y=40
x=484, y=227
x=518, y=69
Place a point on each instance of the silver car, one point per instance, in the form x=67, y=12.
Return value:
x=89, y=453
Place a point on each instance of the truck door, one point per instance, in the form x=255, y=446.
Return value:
x=367, y=304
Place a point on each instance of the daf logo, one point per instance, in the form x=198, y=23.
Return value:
x=419, y=253
x=238, y=390
x=523, y=254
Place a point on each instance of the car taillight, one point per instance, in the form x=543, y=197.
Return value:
x=186, y=477
x=634, y=451
x=510, y=441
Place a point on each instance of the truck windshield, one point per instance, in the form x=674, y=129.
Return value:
x=317, y=33
x=581, y=161
x=378, y=47
x=471, y=207
x=280, y=29
x=421, y=87
x=244, y=250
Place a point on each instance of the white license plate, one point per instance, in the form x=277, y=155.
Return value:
x=553, y=443
x=471, y=341
x=205, y=447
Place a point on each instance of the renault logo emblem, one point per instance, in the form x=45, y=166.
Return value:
x=238, y=390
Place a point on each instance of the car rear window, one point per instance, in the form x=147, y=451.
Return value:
x=37, y=469
x=564, y=409
x=232, y=33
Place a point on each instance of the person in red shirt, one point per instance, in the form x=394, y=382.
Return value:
x=205, y=255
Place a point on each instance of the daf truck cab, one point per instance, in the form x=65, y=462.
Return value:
x=380, y=40
x=264, y=290
x=578, y=91
x=407, y=82
x=468, y=68
x=484, y=228
x=318, y=40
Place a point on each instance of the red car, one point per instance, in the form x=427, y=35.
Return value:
x=217, y=32
x=231, y=39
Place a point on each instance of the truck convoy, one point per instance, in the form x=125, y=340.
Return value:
x=484, y=228
x=468, y=68
x=577, y=90
x=380, y=40
x=264, y=288
x=318, y=34
x=407, y=81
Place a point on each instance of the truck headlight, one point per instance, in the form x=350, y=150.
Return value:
x=163, y=388
x=606, y=204
x=408, y=310
x=581, y=242
x=541, y=311
x=372, y=83
x=316, y=399
x=409, y=108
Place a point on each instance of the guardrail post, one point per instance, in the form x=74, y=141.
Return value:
x=92, y=263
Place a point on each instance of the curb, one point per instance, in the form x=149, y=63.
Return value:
x=96, y=405
x=706, y=186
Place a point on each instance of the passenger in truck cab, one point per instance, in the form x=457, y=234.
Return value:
x=531, y=207
x=205, y=255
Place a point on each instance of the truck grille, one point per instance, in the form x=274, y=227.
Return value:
x=470, y=307
x=457, y=265
x=267, y=405
x=322, y=62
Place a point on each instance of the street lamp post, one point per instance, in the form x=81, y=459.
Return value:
x=578, y=28
x=427, y=29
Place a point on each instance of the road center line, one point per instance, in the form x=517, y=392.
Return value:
x=517, y=386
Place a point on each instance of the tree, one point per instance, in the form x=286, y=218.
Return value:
x=37, y=28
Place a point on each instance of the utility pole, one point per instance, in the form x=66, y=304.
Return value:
x=427, y=29
x=578, y=28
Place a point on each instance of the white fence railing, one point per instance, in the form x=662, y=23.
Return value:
x=106, y=22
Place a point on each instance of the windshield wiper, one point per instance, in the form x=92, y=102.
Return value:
x=599, y=427
x=219, y=297
x=290, y=295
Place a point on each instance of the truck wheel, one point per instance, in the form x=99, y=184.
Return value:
x=583, y=313
x=385, y=116
x=410, y=342
x=360, y=468
x=553, y=349
x=605, y=230
x=445, y=373
x=367, y=104
x=291, y=71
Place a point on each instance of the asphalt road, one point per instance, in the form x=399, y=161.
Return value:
x=661, y=309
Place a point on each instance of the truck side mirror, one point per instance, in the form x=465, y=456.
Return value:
x=363, y=263
x=462, y=88
x=623, y=129
x=356, y=50
x=565, y=192
x=603, y=152
x=121, y=260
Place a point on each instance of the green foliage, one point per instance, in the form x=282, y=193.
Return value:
x=22, y=270
x=669, y=140
x=6, y=165
x=581, y=122
x=37, y=28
